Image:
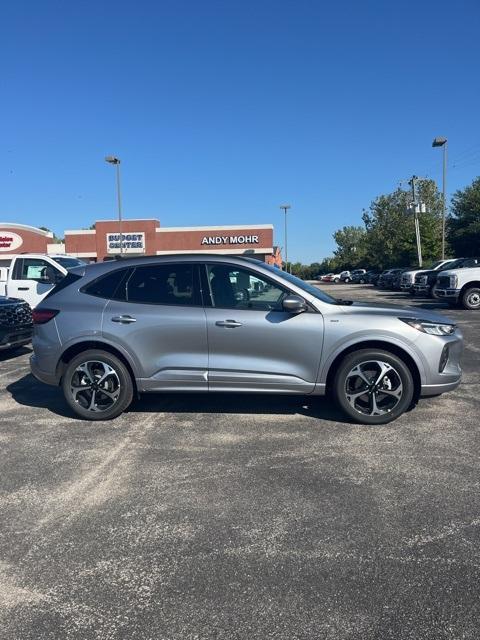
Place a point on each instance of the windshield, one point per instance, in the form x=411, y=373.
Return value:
x=435, y=265
x=454, y=264
x=69, y=263
x=309, y=288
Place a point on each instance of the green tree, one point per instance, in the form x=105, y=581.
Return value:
x=390, y=230
x=464, y=223
x=350, y=251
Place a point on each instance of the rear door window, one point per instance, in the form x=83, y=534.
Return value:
x=170, y=284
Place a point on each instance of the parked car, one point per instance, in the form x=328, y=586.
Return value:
x=372, y=277
x=460, y=285
x=358, y=276
x=187, y=323
x=332, y=277
x=30, y=276
x=386, y=279
x=395, y=284
x=407, y=283
x=425, y=281
x=345, y=276
x=16, y=326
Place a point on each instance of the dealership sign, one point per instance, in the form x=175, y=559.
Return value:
x=9, y=241
x=230, y=240
x=131, y=242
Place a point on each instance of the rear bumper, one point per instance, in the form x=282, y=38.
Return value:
x=44, y=376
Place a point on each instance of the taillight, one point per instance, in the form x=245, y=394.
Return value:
x=41, y=316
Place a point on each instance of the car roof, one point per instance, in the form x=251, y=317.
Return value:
x=98, y=268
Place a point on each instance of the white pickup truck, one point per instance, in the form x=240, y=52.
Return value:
x=460, y=286
x=30, y=276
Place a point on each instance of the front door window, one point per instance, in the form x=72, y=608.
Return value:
x=231, y=287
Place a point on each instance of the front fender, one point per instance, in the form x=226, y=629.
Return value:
x=362, y=337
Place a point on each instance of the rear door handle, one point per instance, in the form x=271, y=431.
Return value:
x=123, y=319
x=229, y=324
x=24, y=288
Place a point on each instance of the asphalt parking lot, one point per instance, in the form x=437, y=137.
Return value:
x=196, y=517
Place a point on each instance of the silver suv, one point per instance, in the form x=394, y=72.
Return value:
x=112, y=330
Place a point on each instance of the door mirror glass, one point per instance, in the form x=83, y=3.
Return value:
x=294, y=304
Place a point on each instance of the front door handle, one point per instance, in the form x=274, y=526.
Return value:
x=24, y=288
x=123, y=319
x=229, y=324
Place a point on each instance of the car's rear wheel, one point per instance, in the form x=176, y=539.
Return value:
x=471, y=298
x=97, y=385
x=373, y=386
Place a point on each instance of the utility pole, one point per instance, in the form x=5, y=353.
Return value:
x=443, y=142
x=416, y=210
x=116, y=162
x=285, y=208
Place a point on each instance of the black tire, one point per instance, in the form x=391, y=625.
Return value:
x=336, y=279
x=396, y=379
x=470, y=298
x=117, y=384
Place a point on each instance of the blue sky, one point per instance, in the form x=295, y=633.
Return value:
x=222, y=111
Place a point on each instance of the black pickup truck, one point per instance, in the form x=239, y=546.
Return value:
x=16, y=325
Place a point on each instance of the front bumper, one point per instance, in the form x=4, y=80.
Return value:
x=421, y=288
x=437, y=389
x=452, y=294
x=11, y=338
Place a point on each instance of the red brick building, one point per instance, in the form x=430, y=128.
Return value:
x=147, y=237
x=141, y=237
x=21, y=238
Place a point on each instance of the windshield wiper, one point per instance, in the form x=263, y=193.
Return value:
x=342, y=302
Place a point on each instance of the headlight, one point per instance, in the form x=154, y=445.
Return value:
x=432, y=328
x=453, y=282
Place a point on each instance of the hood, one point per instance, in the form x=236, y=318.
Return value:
x=428, y=272
x=378, y=308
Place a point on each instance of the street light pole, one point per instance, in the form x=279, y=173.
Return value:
x=285, y=208
x=443, y=142
x=116, y=161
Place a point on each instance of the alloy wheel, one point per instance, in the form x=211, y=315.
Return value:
x=95, y=386
x=373, y=388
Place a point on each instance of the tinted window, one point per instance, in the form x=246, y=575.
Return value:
x=110, y=286
x=36, y=269
x=172, y=284
x=232, y=287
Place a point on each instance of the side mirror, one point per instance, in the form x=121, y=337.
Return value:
x=294, y=304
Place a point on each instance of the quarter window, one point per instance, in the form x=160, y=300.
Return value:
x=171, y=284
x=110, y=286
x=232, y=287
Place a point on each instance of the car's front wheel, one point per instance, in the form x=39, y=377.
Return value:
x=471, y=298
x=373, y=386
x=97, y=385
